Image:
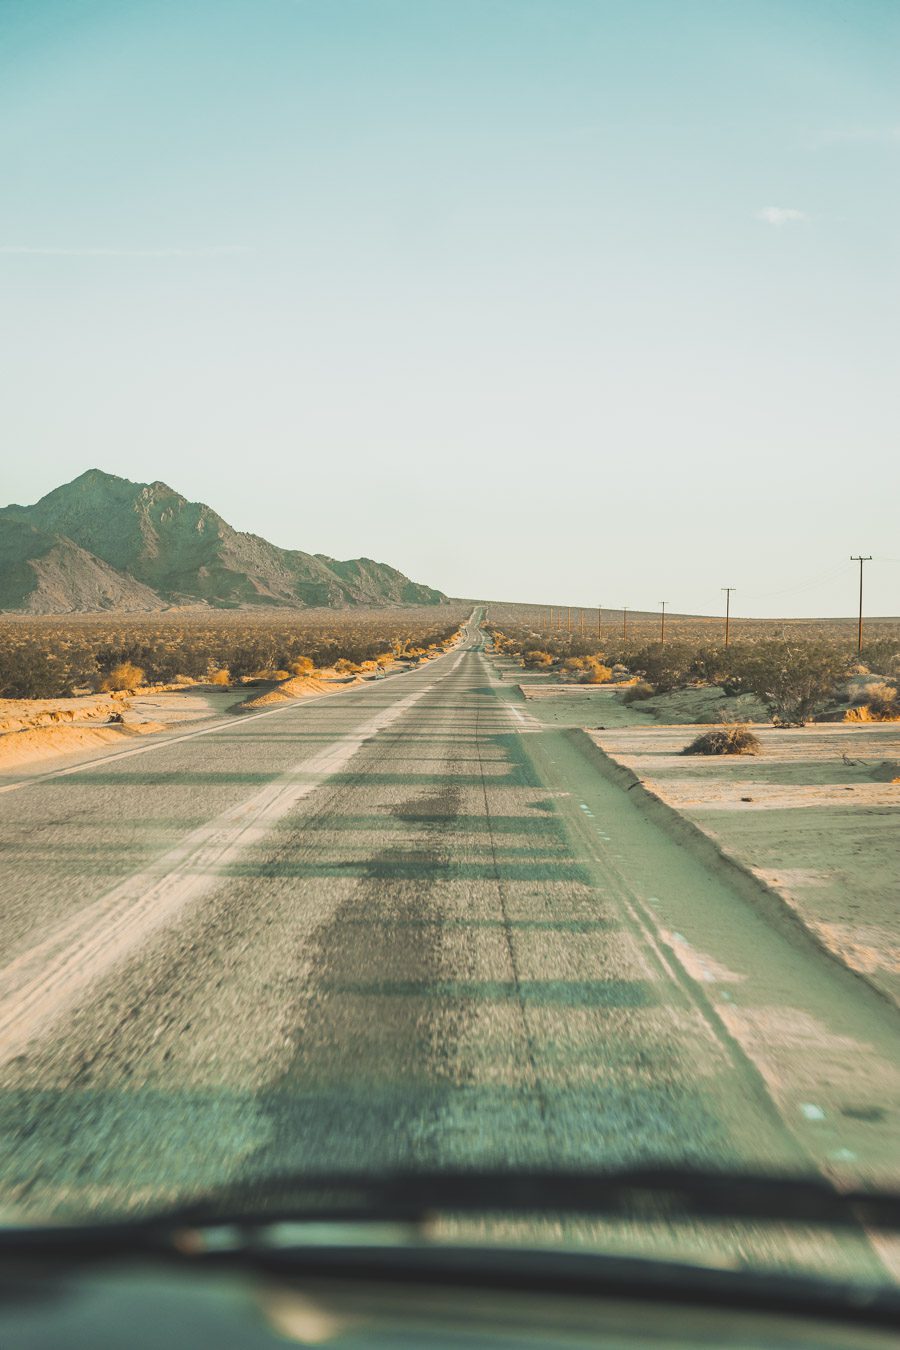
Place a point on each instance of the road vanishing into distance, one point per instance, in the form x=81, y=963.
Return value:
x=407, y=925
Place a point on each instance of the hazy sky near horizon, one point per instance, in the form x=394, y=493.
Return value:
x=547, y=300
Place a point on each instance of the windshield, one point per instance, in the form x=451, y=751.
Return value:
x=375, y=368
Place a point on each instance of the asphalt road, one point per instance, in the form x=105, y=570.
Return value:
x=406, y=925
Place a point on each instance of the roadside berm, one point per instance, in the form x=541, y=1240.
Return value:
x=813, y=820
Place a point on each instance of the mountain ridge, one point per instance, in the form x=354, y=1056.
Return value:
x=103, y=542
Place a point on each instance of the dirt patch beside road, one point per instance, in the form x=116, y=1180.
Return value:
x=36, y=730
x=814, y=818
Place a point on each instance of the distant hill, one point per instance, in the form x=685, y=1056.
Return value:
x=102, y=542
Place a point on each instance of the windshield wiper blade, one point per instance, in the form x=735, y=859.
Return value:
x=643, y=1191
x=642, y=1194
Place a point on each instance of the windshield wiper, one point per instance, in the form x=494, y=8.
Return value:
x=644, y=1191
x=642, y=1194
x=328, y=1228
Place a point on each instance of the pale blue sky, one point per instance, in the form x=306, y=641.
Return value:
x=551, y=300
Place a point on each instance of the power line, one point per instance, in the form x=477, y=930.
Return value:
x=801, y=585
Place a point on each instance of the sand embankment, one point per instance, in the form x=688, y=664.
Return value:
x=299, y=686
x=324, y=681
x=33, y=730
x=41, y=729
x=814, y=819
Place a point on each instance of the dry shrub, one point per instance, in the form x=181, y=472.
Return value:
x=878, y=707
x=221, y=677
x=302, y=666
x=634, y=693
x=586, y=670
x=794, y=680
x=126, y=675
x=876, y=701
x=595, y=672
x=537, y=660
x=733, y=740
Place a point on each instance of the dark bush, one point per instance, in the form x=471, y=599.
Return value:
x=637, y=692
x=793, y=680
x=724, y=741
x=665, y=667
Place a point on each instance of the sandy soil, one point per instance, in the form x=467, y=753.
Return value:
x=37, y=730
x=187, y=705
x=300, y=686
x=815, y=816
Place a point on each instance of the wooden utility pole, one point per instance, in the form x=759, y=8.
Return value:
x=858, y=557
x=662, y=623
x=568, y=618
x=599, y=622
x=727, y=590
x=582, y=623
x=624, y=623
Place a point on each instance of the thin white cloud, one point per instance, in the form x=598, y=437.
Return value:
x=215, y=251
x=780, y=215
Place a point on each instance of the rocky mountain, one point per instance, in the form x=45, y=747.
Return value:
x=102, y=542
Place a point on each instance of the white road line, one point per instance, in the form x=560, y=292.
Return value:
x=525, y=720
x=43, y=982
